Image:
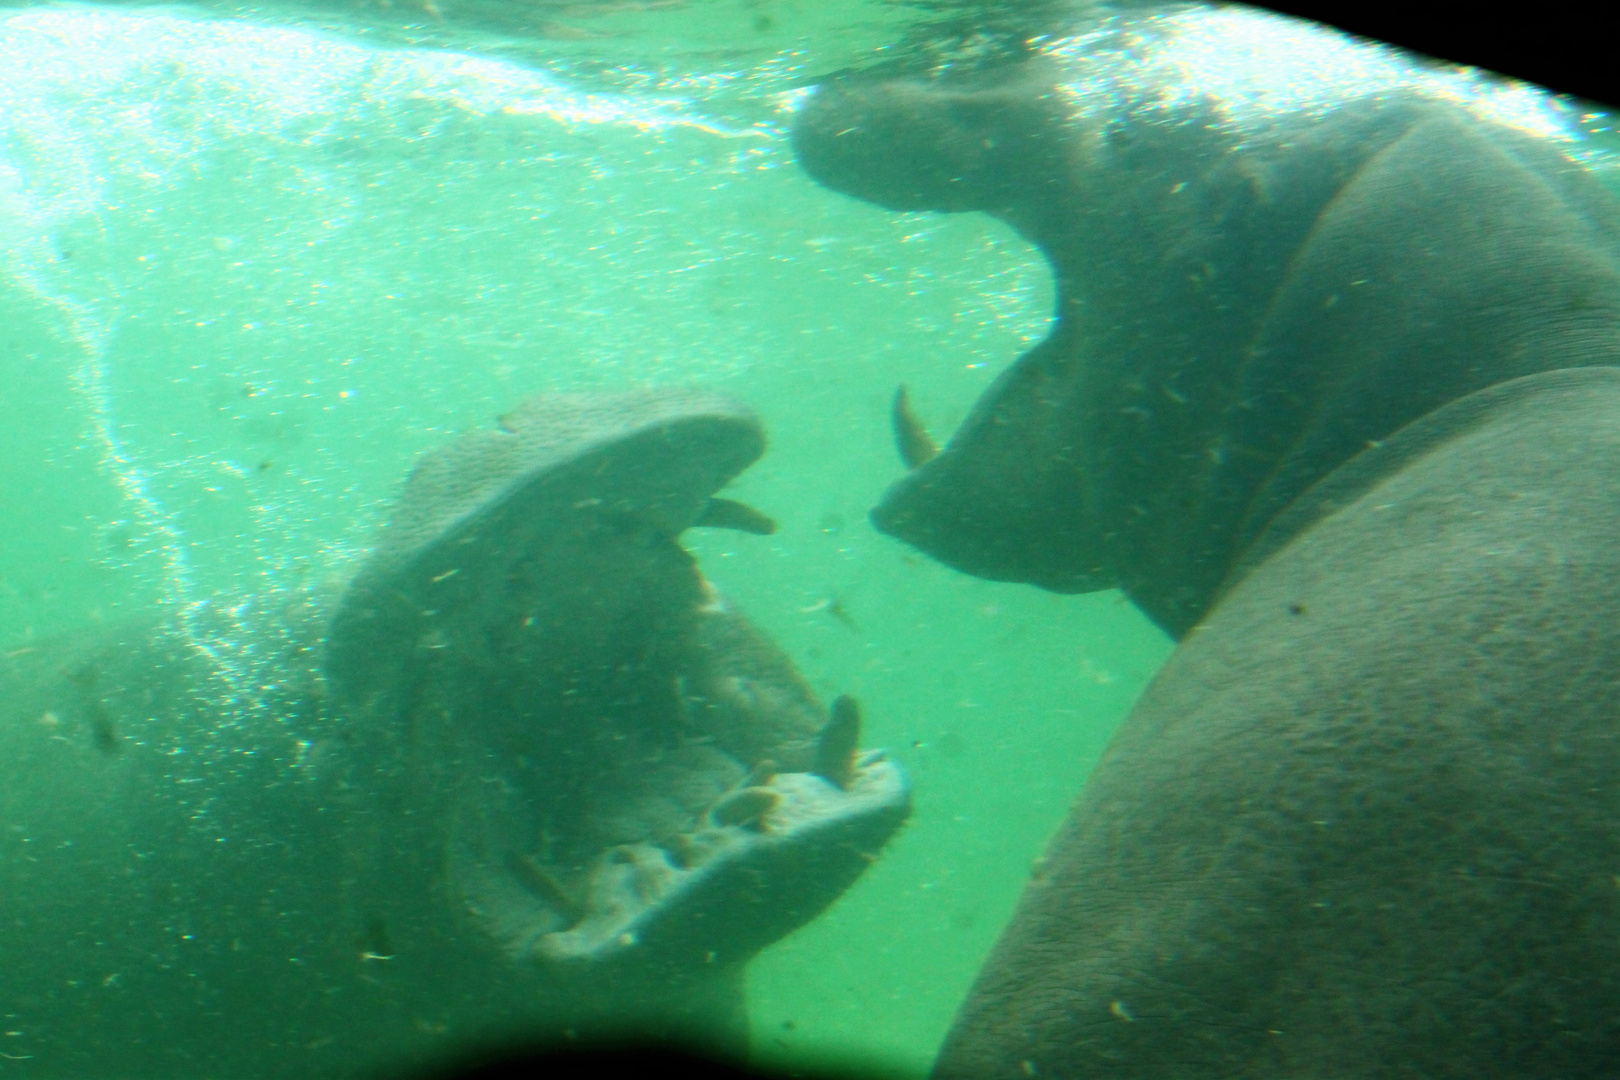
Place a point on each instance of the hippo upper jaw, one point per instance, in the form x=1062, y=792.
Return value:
x=912, y=144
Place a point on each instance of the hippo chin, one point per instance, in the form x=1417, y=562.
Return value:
x=1333, y=397
x=536, y=778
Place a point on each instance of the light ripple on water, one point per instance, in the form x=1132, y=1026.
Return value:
x=87, y=91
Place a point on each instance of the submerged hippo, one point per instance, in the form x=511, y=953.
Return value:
x=1332, y=396
x=539, y=779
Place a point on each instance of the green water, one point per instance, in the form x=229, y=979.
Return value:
x=248, y=274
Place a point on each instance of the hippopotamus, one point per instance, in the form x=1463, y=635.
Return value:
x=527, y=776
x=1332, y=396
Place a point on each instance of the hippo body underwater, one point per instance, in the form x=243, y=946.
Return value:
x=1333, y=395
x=536, y=780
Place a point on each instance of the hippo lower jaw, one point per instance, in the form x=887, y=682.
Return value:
x=800, y=842
x=763, y=860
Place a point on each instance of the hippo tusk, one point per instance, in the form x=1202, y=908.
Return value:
x=917, y=447
x=838, y=742
x=721, y=513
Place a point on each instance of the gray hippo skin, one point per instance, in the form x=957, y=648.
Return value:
x=1330, y=396
x=536, y=780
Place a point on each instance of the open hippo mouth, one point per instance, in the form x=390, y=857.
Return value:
x=634, y=772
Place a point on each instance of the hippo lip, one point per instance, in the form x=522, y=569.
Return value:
x=765, y=858
x=757, y=880
x=961, y=522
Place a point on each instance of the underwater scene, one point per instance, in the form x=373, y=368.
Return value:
x=621, y=284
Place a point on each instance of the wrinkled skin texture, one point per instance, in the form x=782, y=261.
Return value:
x=511, y=788
x=1331, y=396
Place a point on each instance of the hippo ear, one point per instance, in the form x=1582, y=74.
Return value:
x=1005, y=499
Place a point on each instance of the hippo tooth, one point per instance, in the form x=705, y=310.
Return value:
x=721, y=513
x=837, y=744
x=539, y=881
x=917, y=447
x=745, y=807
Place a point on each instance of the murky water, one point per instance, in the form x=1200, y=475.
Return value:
x=249, y=273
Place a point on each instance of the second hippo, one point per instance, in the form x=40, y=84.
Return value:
x=533, y=777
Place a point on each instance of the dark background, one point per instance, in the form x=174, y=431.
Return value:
x=1565, y=45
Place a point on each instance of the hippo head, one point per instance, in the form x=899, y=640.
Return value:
x=619, y=770
x=1273, y=246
